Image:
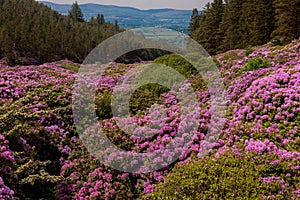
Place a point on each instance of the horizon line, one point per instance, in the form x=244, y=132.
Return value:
x=120, y=6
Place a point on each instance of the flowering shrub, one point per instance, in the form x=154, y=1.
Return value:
x=5, y=192
x=41, y=150
x=261, y=134
x=6, y=156
x=34, y=111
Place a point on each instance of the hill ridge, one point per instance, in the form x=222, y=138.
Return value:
x=130, y=17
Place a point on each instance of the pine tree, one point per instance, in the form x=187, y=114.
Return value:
x=75, y=13
x=264, y=22
x=100, y=19
x=207, y=33
x=287, y=25
x=257, y=22
x=116, y=25
x=93, y=21
x=240, y=23
x=230, y=26
x=200, y=33
x=247, y=22
x=194, y=20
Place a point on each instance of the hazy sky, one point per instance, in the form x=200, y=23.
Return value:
x=144, y=4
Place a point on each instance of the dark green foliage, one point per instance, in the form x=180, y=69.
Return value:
x=193, y=72
x=149, y=94
x=230, y=25
x=141, y=55
x=194, y=20
x=100, y=19
x=116, y=26
x=97, y=21
x=32, y=181
x=257, y=22
x=235, y=24
x=75, y=13
x=255, y=64
x=32, y=33
x=207, y=33
x=287, y=25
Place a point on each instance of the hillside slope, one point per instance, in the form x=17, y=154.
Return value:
x=32, y=33
x=256, y=157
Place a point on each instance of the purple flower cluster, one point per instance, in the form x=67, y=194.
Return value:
x=264, y=110
x=6, y=156
x=262, y=123
x=5, y=192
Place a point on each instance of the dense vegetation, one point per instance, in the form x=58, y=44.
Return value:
x=256, y=157
x=32, y=33
x=234, y=24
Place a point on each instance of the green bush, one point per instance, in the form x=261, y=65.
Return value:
x=145, y=97
x=178, y=63
x=224, y=178
x=255, y=64
x=32, y=181
x=190, y=71
x=103, y=107
x=227, y=177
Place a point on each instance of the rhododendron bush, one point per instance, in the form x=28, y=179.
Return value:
x=256, y=156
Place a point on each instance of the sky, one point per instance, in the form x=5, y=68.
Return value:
x=144, y=4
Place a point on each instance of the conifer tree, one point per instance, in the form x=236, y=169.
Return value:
x=75, y=13
x=44, y=35
x=93, y=21
x=287, y=19
x=262, y=22
x=116, y=25
x=230, y=26
x=240, y=23
x=257, y=22
x=207, y=33
x=247, y=24
x=194, y=20
x=100, y=19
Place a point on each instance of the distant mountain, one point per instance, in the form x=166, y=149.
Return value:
x=129, y=17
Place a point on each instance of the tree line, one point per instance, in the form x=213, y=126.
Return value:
x=32, y=33
x=233, y=24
